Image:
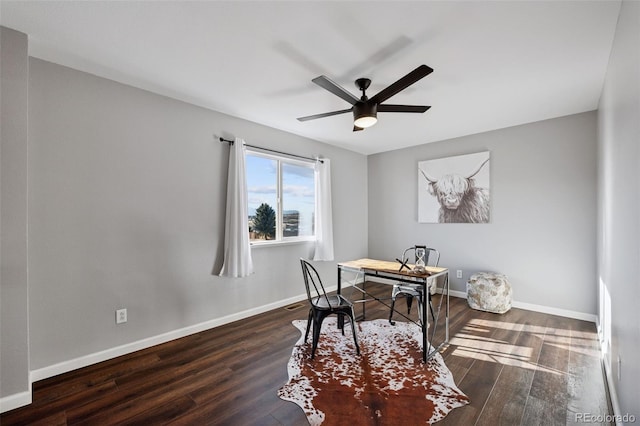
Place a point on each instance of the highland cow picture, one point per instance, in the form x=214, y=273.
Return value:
x=455, y=189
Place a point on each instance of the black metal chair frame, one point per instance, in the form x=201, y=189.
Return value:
x=414, y=290
x=323, y=305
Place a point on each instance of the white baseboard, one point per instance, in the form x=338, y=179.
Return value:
x=615, y=405
x=613, y=395
x=555, y=311
x=14, y=401
x=94, y=358
x=460, y=294
x=542, y=309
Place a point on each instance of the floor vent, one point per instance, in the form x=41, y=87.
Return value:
x=294, y=307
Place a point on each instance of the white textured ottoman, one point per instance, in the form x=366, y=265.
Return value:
x=489, y=291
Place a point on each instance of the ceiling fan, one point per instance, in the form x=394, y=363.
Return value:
x=365, y=110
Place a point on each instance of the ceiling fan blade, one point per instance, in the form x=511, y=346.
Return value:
x=325, y=114
x=333, y=87
x=402, y=108
x=403, y=83
x=357, y=129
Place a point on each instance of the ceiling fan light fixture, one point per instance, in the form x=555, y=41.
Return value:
x=366, y=121
x=365, y=115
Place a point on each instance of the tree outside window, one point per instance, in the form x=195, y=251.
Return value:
x=264, y=223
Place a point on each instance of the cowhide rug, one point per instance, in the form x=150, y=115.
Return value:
x=388, y=384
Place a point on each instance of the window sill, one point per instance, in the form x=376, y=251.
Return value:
x=272, y=243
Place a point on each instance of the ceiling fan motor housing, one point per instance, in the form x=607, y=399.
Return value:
x=365, y=110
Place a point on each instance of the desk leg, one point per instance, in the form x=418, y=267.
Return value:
x=425, y=322
x=340, y=317
x=364, y=297
x=446, y=323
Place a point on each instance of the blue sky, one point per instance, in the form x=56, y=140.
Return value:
x=298, y=185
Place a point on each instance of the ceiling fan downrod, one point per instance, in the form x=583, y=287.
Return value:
x=363, y=84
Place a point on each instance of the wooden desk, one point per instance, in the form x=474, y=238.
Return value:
x=390, y=270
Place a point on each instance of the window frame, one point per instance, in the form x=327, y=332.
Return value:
x=280, y=239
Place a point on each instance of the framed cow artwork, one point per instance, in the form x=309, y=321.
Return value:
x=455, y=189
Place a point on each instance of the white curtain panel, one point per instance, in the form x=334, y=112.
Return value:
x=323, y=219
x=237, y=250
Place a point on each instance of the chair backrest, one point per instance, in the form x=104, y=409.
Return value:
x=312, y=282
x=431, y=255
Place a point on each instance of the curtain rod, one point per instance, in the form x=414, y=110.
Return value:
x=230, y=142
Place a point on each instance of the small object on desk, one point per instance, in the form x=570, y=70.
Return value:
x=403, y=264
x=420, y=254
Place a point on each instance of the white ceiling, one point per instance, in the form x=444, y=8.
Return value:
x=496, y=64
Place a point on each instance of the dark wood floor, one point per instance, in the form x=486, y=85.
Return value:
x=520, y=368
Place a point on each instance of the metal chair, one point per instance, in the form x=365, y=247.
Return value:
x=323, y=305
x=424, y=256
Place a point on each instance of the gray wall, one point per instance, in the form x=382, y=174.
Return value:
x=543, y=218
x=126, y=209
x=14, y=337
x=619, y=211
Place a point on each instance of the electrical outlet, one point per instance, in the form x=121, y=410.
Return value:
x=121, y=316
x=459, y=273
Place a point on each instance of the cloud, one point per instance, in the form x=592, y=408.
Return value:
x=268, y=189
x=299, y=191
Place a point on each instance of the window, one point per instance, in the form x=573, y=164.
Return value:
x=281, y=195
